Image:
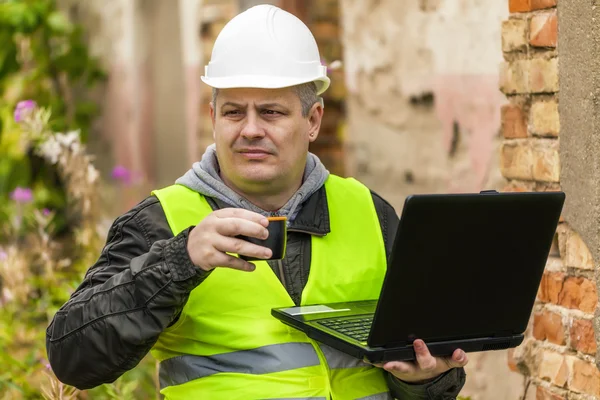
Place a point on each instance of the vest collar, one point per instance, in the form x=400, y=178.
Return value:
x=313, y=217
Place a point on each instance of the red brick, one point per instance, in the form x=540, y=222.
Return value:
x=512, y=362
x=578, y=293
x=553, y=367
x=516, y=186
x=541, y=4
x=543, y=75
x=585, y=378
x=551, y=286
x=514, y=125
x=546, y=161
x=544, y=119
x=516, y=161
x=545, y=394
x=549, y=326
x=582, y=336
x=543, y=30
x=514, y=35
x=573, y=250
x=514, y=77
x=517, y=6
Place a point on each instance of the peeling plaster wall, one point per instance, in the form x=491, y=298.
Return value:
x=424, y=115
x=422, y=78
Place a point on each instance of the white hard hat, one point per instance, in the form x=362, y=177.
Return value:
x=265, y=47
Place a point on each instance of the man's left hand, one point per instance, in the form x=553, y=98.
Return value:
x=426, y=367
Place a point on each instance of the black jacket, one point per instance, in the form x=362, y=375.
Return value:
x=142, y=280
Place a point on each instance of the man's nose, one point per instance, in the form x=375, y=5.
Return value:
x=252, y=128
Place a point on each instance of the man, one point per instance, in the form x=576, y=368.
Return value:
x=168, y=279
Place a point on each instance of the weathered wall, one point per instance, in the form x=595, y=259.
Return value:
x=557, y=356
x=424, y=114
x=151, y=51
x=579, y=108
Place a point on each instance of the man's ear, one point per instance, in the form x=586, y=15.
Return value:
x=315, y=116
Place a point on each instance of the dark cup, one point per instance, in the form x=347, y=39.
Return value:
x=276, y=241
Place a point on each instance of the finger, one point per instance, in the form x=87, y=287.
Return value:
x=400, y=367
x=240, y=226
x=227, y=261
x=424, y=358
x=242, y=214
x=239, y=246
x=459, y=359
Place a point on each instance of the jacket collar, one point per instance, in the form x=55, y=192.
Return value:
x=313, y=217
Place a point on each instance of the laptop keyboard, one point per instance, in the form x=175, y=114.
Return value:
x=356, y=328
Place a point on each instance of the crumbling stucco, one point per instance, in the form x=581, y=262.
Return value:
x=423, y=94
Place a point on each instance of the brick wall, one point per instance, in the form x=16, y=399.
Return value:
x=323, y=19
x=557, y=356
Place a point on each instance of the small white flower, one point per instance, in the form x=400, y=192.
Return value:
x=92, y=174
x=50, y=150
x=68, y=139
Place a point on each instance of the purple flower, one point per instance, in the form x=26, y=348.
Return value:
x=121, y=173
x=23, y=108
x=3, y=255
x=45, y=212
x=22, y=195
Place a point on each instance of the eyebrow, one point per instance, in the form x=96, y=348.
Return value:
x=230, y=103
x=259, y=106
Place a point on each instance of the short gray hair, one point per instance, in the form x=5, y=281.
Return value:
x=307, y=93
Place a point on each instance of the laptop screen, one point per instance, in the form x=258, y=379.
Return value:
x=465, y=266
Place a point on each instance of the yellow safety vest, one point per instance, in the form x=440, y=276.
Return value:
x=226, y=344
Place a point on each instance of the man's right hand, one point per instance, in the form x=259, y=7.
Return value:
x=214, y=236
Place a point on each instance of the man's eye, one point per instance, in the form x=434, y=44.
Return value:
x=271, y=112
x=231, y=113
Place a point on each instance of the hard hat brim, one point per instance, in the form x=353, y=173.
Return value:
x=263, y=82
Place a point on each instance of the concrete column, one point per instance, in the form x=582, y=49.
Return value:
x=169, y=91
x=189, y=16
x=579, y=110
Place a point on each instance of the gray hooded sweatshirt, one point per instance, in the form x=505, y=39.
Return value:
x=204, y=178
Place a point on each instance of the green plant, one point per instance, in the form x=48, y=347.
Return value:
x=39, y=271
x=43, y=57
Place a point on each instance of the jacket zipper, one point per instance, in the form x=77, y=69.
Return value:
x=280, y=263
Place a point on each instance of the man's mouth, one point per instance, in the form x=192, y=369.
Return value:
x=254, y=153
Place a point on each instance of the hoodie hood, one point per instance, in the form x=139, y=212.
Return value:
x=204, y=178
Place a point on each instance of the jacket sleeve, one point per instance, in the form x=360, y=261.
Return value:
x=135, y=290
x=446, y=386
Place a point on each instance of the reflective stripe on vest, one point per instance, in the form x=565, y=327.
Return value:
x=336, y=359
x=379, y=396
x=226, y=343
x=273, y=358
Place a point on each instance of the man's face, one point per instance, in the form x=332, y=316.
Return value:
x=262, y=138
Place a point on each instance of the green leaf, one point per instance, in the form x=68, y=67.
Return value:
x=20, y=16
x=59, y=23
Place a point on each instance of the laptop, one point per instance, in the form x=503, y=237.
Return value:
x=463, y=273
